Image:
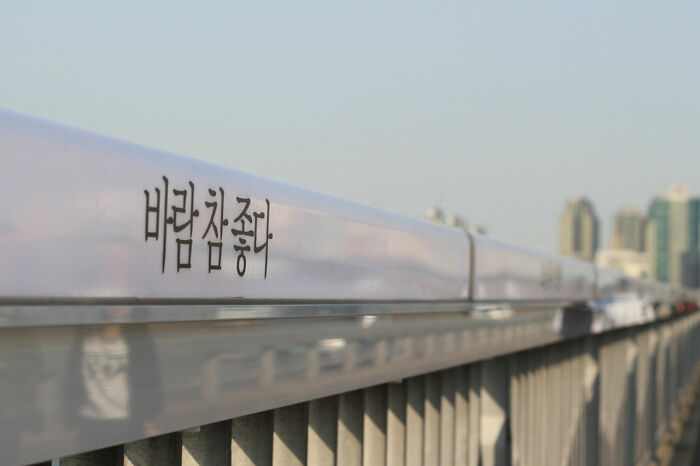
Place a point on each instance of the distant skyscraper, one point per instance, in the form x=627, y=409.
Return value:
x=629, y=230
x=694, y=224
x=578, y=229
x=672, y=231
x=691, y=269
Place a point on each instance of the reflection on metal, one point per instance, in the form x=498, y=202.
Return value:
x=624, y=312
x=129, y=224
x=503, y=272
x=610, y=284
x=203, y=372
x=605, y=399
x=90, y=217
x=118, y=320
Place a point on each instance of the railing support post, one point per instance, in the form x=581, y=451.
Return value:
x=495, y=450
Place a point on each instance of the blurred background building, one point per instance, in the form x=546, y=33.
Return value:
x=690, y=263
x=578, y=229
x=663, y=245
x=672, y=234
x=629, y=225
x=456, y=221
x=437, y=215
x=628, y=253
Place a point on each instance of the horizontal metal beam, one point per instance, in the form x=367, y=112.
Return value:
x=91, y=219
x=86, y=216
x=506, y=272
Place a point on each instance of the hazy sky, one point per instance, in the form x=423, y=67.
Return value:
x=495, y=110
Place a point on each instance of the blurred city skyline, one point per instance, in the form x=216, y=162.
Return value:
x=662, y=243
x=496, y=112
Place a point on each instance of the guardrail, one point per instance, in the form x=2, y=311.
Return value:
x=144, y=294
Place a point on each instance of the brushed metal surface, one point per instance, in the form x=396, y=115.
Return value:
x=504, y=272
x=78, y=209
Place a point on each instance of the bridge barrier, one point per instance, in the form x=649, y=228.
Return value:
x=155, y=309
x=603, y=399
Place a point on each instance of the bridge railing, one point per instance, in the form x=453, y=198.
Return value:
x=159, y=310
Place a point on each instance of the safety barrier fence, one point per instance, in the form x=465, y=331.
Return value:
x=601, y=399
x=155, y=309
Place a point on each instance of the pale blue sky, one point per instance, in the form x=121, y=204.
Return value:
x=495, y=110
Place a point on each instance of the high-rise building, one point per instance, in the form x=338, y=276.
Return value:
x=578, y=229
x=673, y=230
x=629, y=230
x=691, y=269
x=694, y=224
